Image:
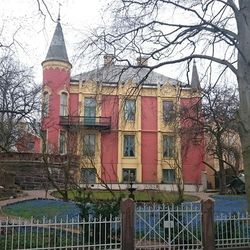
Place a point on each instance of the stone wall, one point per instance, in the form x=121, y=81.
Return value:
x=7, y=180
x=30, y=172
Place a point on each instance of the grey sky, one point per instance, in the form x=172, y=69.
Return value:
x=34, y=32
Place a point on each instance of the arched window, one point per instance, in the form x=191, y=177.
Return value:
x=64, y=104
x=45, y=110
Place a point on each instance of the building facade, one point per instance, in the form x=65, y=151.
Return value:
x=123, y=129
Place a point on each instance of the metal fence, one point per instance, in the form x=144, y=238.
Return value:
x=149, y=226
x=232, y=230
x=94, y=233
x=160, y=226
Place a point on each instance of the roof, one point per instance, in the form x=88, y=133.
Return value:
x=121, y=73
x=195, y=82
x=57, y=49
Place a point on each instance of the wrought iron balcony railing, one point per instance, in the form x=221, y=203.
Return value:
x=91, y=122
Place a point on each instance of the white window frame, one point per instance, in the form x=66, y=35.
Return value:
x=129, y=109
x=130, y=144
x=64, y=104
x=62, y=142
x=45, y=111
x=89, y=145
x=131, y=178
x=167, y=149
x=172, y=178
x=168, y=113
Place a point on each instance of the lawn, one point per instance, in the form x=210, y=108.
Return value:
x=140, y=196
x=40, y=208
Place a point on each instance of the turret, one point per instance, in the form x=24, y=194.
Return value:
x=56, y=83
x=57, y=50
x=195, y=82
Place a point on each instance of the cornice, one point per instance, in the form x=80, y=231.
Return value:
x=53, y=64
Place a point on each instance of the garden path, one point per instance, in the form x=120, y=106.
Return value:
x=27, y=195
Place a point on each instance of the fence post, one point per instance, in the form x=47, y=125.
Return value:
x=207, y=209
x=128, y=210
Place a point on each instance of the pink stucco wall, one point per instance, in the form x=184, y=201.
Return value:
x=192, y=153
x=23, y=142
x=109, y=140
x=73, y=104
x=37, y=147
x=56, y=80
x=149, y=139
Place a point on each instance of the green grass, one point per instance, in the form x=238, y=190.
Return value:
x=140, y=196
x=50, y=210
x=25, y=210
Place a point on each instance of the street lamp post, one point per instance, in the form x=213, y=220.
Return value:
x=131, y=190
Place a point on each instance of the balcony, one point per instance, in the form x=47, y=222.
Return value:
x=88, y=122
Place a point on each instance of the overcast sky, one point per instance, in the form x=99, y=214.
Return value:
x=34, y=32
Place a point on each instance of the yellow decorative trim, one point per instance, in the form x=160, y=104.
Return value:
x=130, y=162
x=47, y=89
x=89, y=162
x=56, y=65
x=165, y=92
x=159, y=156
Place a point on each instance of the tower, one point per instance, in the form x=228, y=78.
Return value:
x=192, y=133
x=56, y=83
x=195, y=82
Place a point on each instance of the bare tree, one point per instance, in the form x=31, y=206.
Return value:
x=5, y=45
x=217, y=116
x=73, y=166
x=175, y=31
x=75, y=163
x=61, y=169
x=19, y=101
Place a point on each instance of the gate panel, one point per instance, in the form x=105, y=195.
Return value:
x=159, y=226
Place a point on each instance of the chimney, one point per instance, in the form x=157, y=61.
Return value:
x=108, y=59
x=142, y=61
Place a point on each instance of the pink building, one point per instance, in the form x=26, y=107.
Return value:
x=120, y=131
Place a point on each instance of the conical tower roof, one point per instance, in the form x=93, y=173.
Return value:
x=57, y=49
x=195, y=82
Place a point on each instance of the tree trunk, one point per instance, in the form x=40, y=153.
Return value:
x=222, y=173
x=243, y=22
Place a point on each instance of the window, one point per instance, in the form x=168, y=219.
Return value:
x=62, y=142
x=30, y=146
x=45, y=110
x=89, y=110
x=129, y=110
x=168, y=111
x=129, y=175
x=129, y=146
x=168, y=175
x=64, y=104
x=88, y=175
x=89, y=145
x=168, y=146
